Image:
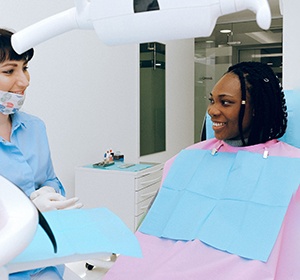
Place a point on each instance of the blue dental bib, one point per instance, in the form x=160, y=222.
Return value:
x=234, y=202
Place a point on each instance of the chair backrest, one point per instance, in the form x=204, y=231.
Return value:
x=18, y=221
x=292, y=135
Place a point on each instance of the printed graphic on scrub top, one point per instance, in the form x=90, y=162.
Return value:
x=145, y=5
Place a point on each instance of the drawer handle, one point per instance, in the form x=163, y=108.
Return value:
x=144, y=208
x=149, y=194
x=154, y=171
x=156, y=180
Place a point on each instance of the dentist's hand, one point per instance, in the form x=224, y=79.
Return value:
x=46, y=199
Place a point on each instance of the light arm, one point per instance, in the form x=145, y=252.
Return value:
x=53, y=26
x=44, y=30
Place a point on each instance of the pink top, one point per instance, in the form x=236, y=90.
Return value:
x=167, y=259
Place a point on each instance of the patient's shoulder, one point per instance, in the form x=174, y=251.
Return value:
x=283, y=149
x=206, y=144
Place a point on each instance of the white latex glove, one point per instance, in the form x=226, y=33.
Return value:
x=42, y=190
x=46, y=199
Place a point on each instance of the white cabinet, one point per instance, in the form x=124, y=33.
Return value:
x=124, y=192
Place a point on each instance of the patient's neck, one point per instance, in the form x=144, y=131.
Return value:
x=235, y=143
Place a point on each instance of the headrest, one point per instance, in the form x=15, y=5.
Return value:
x=292, y=133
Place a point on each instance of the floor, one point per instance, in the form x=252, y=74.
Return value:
x=98, y=269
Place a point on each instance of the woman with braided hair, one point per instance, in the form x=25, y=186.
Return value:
x=269, y=114
x=228, y=207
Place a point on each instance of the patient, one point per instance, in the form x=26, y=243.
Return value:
x=228, y=207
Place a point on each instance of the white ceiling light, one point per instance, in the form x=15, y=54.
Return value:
x=225, y=31
x=266, y=55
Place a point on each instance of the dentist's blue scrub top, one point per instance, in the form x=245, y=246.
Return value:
x=26, y=160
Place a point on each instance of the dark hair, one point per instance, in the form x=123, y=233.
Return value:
x=267, y=100
x=6, y=50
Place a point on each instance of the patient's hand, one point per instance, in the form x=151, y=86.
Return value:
x=46, y=199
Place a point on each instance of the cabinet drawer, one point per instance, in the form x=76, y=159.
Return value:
x=146, y=193
x=142, y=207
x=149, y=179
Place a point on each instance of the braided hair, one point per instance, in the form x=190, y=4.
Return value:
x=6, y=50
x=267, y=99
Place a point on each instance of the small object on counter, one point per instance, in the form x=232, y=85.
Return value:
x=107, y=161
x=126, y=165
x=103, y=163
x=109, y=155
x=118, y=156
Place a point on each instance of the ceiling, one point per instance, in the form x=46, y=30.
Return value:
x=245, y=30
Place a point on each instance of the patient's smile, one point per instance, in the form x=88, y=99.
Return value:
x=218, y=124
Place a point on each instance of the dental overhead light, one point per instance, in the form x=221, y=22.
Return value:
x=118, y=22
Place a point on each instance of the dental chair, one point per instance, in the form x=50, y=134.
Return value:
x=174, y=256
x=293, y=130
x=291, y=137
x=79, y=234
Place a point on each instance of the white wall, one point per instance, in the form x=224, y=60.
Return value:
x=291, y=43
x=88, y=93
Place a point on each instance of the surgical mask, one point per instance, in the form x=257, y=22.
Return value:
x=10, y=102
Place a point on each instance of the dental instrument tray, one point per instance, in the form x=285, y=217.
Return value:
x=103, y=164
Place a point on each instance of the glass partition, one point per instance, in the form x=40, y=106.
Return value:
x=152, y=98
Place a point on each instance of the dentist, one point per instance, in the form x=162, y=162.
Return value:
x=25, y=157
